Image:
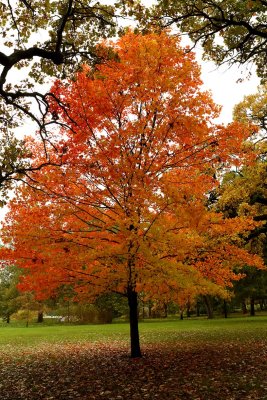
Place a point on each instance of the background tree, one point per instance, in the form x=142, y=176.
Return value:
x=15, y=163
x=15, y=302
x=9, y=294
x=126, y=212
x=250, y=289
x=244, y=191
x=233, y=31
x=253, y=108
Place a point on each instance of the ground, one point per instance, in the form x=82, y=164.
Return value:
x=191, y=360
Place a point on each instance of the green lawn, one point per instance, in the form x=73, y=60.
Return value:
x=198, y=359
x=196, y=331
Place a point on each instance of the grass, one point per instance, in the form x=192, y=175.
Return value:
x=203, y=331
x=196, y=331
x=194, y=359
x=33, y=335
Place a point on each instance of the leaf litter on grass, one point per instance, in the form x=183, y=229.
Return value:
x=86, y=371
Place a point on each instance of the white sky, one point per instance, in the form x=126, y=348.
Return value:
x=225, y=88
x=228, y=84
x=221, y=81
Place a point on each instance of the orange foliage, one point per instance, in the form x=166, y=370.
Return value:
x=127, y=207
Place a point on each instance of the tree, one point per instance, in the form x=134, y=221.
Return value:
x=253, y=108
x=43, y=40
x=10, y=298
x=126, y=211
x=244, y=191
x=52, y=38
x=252, y=287
x=229, y=31
x=12, y=301
x=16, y=162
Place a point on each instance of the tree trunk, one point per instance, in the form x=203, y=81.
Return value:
x=188, y=306
x=225, y=310
x=207, y=302
x=8, y=319
x=40, y=317
x=143, y=310
x=149, y=309
x=165, y=309
x=198, y=309
x=252, y=307
x=134, y=333
x=68, y=308
x=244, y=307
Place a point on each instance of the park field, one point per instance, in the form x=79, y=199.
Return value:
x=190, y=359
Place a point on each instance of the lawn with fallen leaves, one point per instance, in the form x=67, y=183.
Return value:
x=197, y=359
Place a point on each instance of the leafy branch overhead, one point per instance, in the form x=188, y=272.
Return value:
x=41, y=40
x=46, y=38
x=229, y=30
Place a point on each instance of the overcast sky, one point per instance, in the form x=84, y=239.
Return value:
x=225, y=88
x=228, y=84
x=222, y=81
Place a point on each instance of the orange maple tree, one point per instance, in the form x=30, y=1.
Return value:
x=126, y=211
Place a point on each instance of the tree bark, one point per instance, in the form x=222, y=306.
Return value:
x=198, y=309
x=40, y=317
x=143, y=310
x=244, y=307
x=225, y=309
x=188, y=307
x=134, y=332
x=252, y=307
x=207, y=302
x=149, y=309
x=165, y=308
